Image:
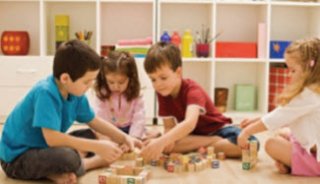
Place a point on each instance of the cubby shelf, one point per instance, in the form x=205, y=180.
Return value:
x=112, y=20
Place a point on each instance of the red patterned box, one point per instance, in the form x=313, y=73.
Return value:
x=279, y=78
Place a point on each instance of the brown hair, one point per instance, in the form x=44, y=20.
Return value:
x=75, y=58
x=161, y=54
x=120, y=62
x=306, y=53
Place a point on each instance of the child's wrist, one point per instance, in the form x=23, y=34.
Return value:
x=245, y=133
x=123, y=139
x=167, y=141
x=167, y=130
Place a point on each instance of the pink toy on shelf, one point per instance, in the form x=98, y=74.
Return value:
x=145, y=41
x=262, y=40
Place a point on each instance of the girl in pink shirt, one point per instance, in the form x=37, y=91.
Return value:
x=118, y=98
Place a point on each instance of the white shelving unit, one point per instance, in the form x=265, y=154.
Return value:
x=112, y=20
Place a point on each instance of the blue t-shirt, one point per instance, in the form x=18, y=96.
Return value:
x=42, y=107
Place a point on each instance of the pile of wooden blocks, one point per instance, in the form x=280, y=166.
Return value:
x=177, y=163
x=129, y=156
x=124, y=174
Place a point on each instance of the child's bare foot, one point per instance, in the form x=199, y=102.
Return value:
x=82, y=154
x=283, y=169
x=94, y=162
x=66, y=178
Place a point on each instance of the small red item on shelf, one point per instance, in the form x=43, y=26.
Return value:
x=15, y=42
x=105, y=49
x=236, y=49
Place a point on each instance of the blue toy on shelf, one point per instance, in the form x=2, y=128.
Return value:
x=277, y=49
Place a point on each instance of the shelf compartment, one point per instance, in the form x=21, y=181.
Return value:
x=126, y=21
x=18, y=16
x=306, y=22
x=199, y=72
x=78, y=21
x=228, y=74
x=176, y=17
x=244, y=19
x=294, y=3
x=179, y=17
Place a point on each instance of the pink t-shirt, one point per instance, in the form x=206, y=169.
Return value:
x=118, y=111
x=191, y=93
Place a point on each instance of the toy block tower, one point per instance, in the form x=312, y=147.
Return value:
x=250, y=156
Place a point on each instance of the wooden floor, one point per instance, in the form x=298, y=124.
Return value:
x=229, y=172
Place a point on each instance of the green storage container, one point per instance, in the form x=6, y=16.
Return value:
x=245, y=97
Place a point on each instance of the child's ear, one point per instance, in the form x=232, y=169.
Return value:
x=179, y=71
x=64, y=78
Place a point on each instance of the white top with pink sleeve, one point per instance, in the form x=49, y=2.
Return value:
x=302, y=116
x=122, y=113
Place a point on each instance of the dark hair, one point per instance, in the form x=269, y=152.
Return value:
x=160, y=54
x=120, y=62
x=75, y=58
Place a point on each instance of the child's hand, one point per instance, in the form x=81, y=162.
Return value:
x=137, y=143
x=124, y=148
x=246, y=122
x=153, y=149
x=169, y=148
x=243, y=140
x=108, y=150
x=131, y=142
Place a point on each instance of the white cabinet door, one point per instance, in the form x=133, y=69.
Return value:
x=23, y=73
x=16, y=79
x=9, y=97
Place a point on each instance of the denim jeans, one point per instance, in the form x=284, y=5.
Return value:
x=231, y=133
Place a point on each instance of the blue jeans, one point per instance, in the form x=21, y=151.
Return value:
x=231, y=133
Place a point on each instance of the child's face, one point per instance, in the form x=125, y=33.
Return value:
x=294, y=67
x=81, y=85
x=166, y=81
x=117, y=83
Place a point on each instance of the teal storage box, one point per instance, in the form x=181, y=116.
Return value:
x=245, y=97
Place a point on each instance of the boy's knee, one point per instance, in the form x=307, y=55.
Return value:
x=68, y=156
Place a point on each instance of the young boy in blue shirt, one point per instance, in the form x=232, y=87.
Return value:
x=34, y=144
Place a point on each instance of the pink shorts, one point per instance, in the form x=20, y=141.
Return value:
x=303, y=163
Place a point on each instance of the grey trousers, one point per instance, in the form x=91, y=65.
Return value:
x=40, y=163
